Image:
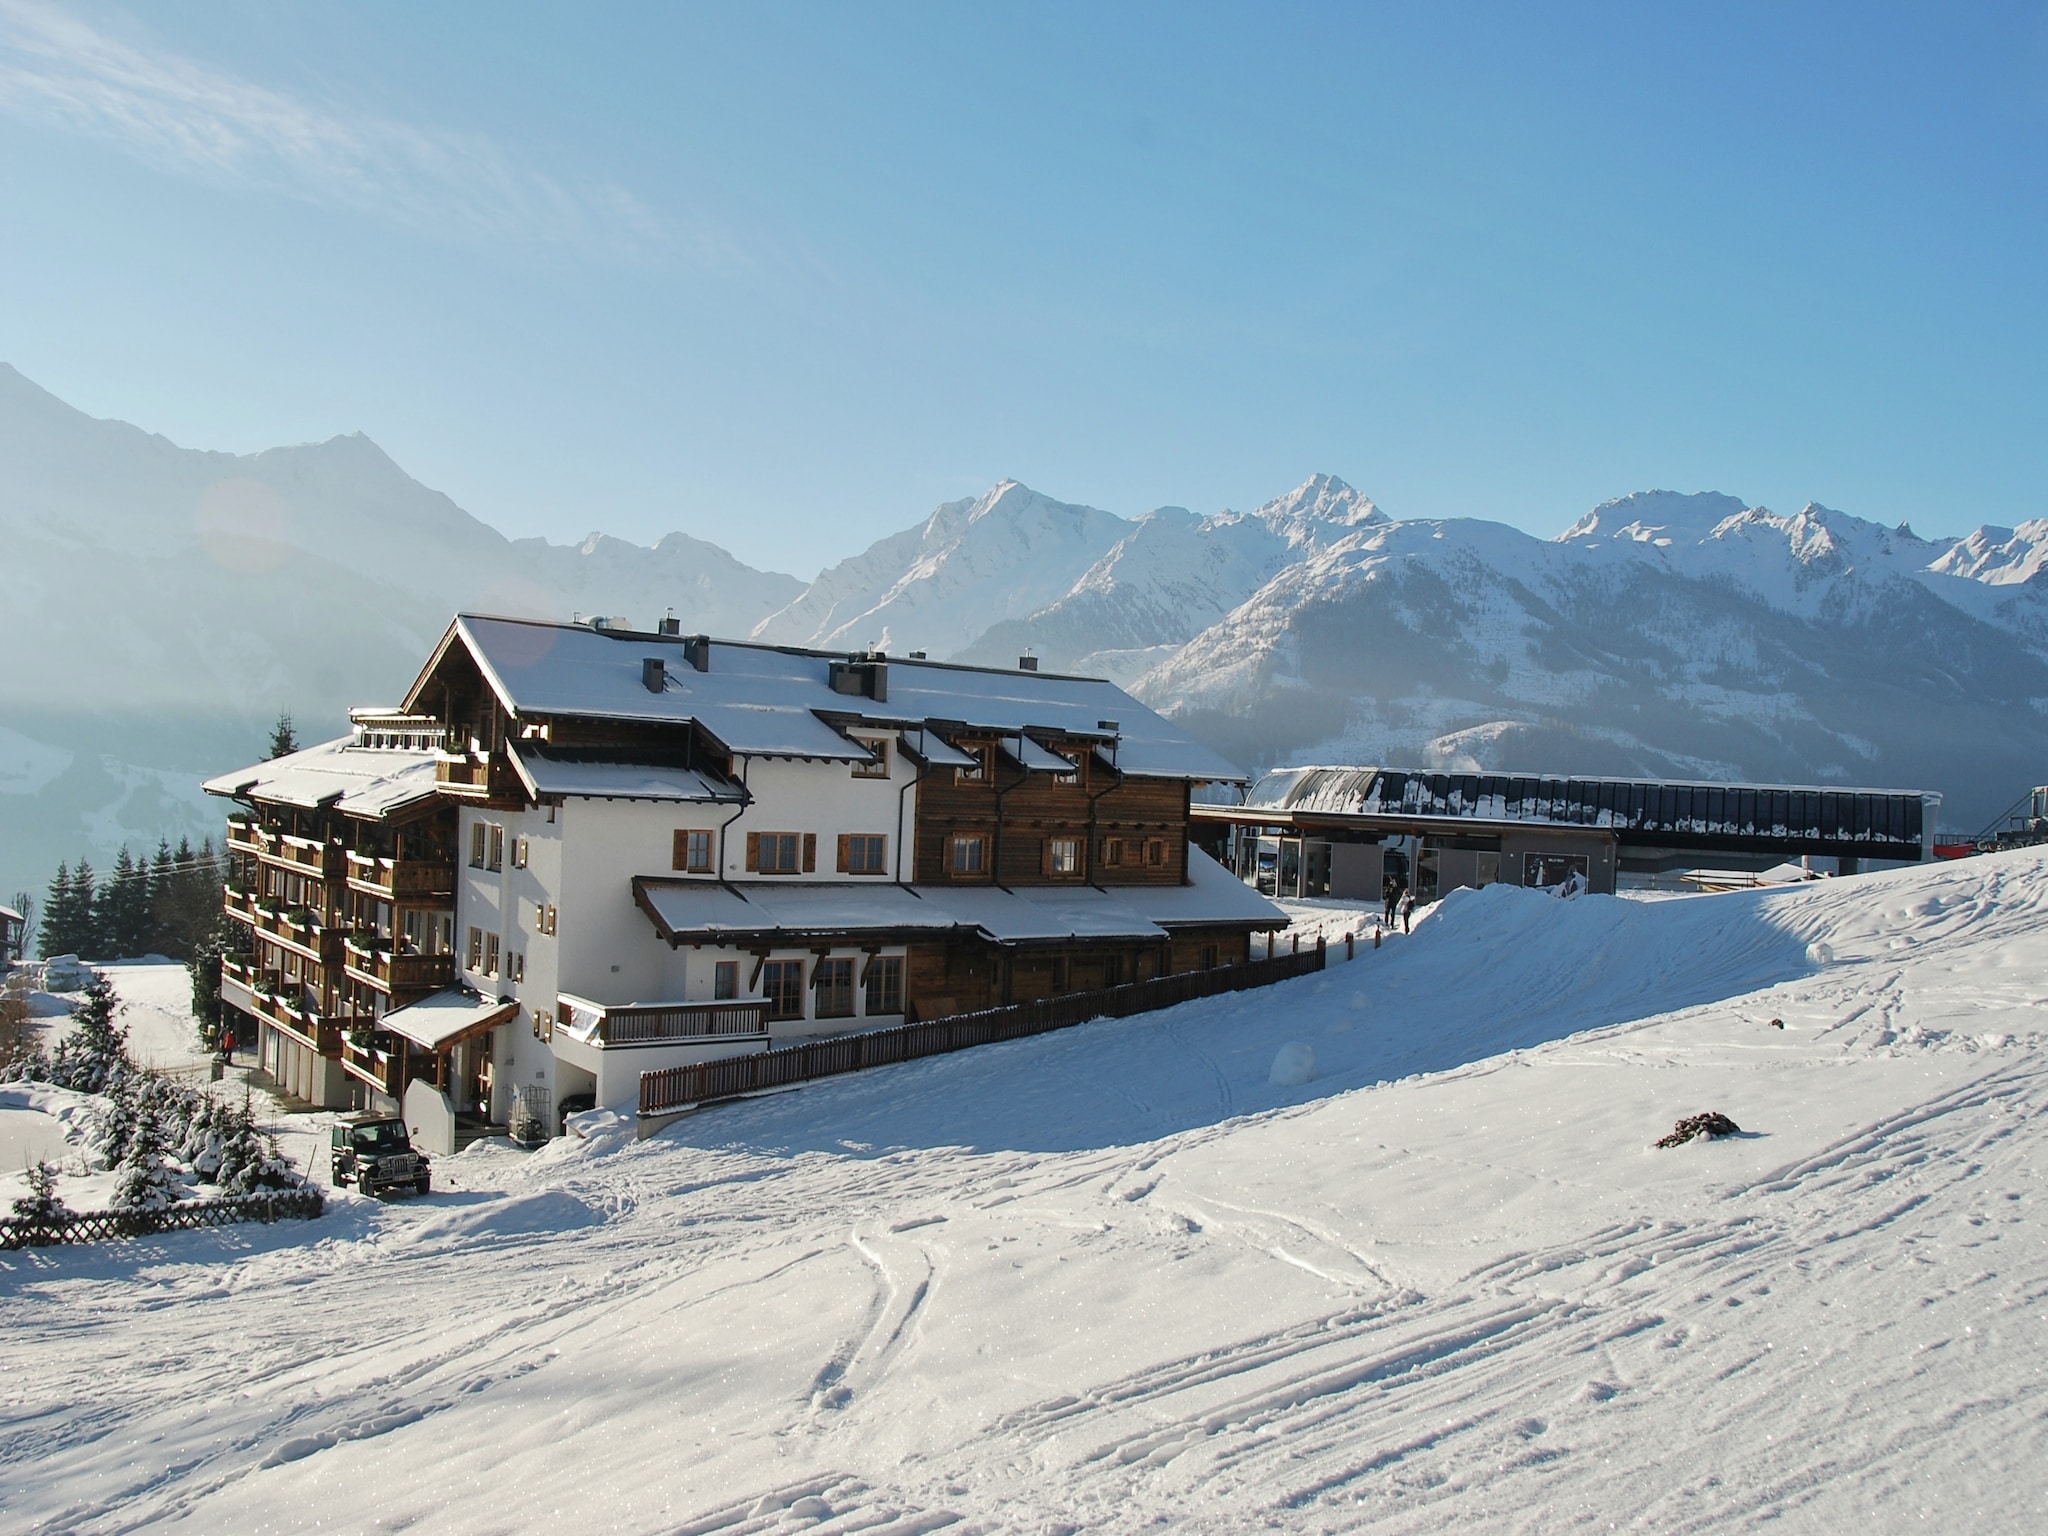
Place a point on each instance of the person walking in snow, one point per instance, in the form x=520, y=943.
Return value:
x=1391, y=889
x=1407, y=907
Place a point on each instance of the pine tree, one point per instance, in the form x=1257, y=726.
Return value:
x=57, y=919
x=121, y=910
x=163, y=903
x=146, y=1182
x=85, y=937
x=95, y=1053
x=42, y=1202
x=283, y=739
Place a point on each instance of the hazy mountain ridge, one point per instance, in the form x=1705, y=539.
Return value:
x=164, y=603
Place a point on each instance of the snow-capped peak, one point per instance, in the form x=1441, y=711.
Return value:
x=1658, y=518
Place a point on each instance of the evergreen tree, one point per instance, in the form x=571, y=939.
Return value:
x=85, y=937
x=283, y=739
x=42, y=1202
x=146, y=1182
x=164, y=937
x=95, y=1053
x=58, y=921
x=121, y=910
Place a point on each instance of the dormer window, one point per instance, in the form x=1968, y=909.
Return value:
x=977, y=773
x=878, y=768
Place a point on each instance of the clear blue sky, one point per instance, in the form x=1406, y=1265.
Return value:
x=786, y=276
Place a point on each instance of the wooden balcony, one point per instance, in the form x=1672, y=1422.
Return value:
x=375, y=1057
x=392, y=973
x=467, y=776
x=298, y=928
x=660, y=1023
x=285, y=1005
x=416, y=882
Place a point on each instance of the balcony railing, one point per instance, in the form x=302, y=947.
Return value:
x=464, y=775
x=389, y=972
x=660, y=1023
x=400, y=879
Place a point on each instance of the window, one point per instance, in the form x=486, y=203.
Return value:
x=490, y=954
x=725, y=981
x=497, y=859
x=834, y=981
x=476, y=845
x=879, y=768
x=693, y=852
x=543, y=917
x=779, y=853
x=1155, y=852
x=476, y=949
x=1063, y=856
x=782, y=984
x=519, y=853
x=885, y=984
x=863, y=853
x=1112, y=852
x=977, y=772
x=515, y=965
x=968, y=855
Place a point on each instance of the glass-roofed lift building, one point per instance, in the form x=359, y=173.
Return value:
x=1342, y=831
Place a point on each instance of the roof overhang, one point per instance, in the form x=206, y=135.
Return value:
x=447, y=1017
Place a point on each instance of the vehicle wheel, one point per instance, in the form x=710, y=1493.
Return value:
x=423, y=1184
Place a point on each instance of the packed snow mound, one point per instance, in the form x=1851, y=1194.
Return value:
x=1293, y=1065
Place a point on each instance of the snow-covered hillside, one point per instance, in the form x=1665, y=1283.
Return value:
x=1114, y=1279
x=1659, y=635
x=161, y=604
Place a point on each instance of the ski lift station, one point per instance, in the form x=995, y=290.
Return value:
x=1340, y=831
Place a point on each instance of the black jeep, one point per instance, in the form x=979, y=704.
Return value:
x=374, y=1153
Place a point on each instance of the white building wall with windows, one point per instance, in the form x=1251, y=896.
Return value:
x=560, y=900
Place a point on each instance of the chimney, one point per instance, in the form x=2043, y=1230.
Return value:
x=670, y=626
x=654, y=674
x=1106, y=725
x=1027, y=663
x=697, y=652
x=917, y=655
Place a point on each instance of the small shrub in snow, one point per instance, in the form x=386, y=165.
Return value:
x=146, y=1182
x=42, y=1202
x=1707, y=1126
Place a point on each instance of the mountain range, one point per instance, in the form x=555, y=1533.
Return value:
x=163, y=604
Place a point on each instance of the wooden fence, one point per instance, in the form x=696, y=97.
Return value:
x=667, y=1089
x=185, y=1216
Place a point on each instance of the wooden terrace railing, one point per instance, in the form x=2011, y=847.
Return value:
x=667, y=1089
x=661, y=1023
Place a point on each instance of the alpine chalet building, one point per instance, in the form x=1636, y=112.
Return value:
x=653, y=849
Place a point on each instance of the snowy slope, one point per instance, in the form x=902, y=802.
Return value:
x=1113, y=1279
x=163, y=604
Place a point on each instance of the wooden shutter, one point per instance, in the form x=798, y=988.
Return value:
x=681, y=860
x=845, y=853
x=754, y=851
x=810, y=852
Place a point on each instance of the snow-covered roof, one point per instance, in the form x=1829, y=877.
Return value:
x=1032, y=755
x=443, y=1017
x=761, y=700
x=372, y=782
x=554, y=773
x=1214, y=895
x=10, y=915
x=1638, y=807
x=704, y=911
x=932, y=748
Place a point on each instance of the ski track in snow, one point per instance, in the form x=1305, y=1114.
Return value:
x=1112, y=1277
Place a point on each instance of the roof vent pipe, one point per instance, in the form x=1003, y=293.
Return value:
x=654, y=674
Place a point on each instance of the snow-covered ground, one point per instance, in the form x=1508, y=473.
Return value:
x=1115, y=1278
